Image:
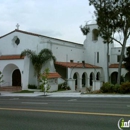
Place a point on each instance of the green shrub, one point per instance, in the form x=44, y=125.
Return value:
x=30, y=86
x=125, y=88
x=107, y=87
x=63, y=86
x=68, y=88
x=110, y=88
x=60, y=86
x=116, y=88
x=42, y=87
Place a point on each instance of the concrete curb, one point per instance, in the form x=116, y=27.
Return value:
x=62, y=94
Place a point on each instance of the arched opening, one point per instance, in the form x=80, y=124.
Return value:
x=114, y=77
x=83, y=80
x=76, y=77
x=127, y=77
x=9, y=75
x=16, y=78
x=95, y=35
x=98, y=76
x=91, y=79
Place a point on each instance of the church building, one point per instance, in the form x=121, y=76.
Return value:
x=79, y=64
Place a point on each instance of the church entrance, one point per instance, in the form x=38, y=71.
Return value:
x=16, y=78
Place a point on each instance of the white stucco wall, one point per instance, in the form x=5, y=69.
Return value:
x=63, y=50
x=26, y=42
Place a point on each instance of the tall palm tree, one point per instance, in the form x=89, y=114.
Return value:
x=38, y=59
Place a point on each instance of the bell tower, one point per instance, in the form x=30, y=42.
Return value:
x=96, y=50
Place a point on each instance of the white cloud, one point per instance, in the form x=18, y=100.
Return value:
x=56, y=18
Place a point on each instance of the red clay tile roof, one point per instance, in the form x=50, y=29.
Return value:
x=75, y=65
x=10, y=57
x=53, y=75
x=115, y=66
x=34, y=34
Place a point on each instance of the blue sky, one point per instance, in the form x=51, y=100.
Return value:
x=55, y=18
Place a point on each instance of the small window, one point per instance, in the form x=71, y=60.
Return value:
x=16, y=40
x=97, y=57
x=118, y=58
x=119, y=50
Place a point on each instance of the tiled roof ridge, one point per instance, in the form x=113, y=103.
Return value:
x=76, y=64
x=10, y=57
x=35, y=34
x=115, y=65
x=54, y=75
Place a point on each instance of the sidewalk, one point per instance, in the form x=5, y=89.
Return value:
x=61, y=94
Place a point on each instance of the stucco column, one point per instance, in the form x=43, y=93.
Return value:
x=94, y=85
x=71, y=84
x=79, y=85
x=25, y=74
x=87, y=82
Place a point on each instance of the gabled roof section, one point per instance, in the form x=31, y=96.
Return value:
x=115, y=66
x=11, y=57
x=38, y=35
x=54, y=75
x=7, y=34
x=75, y=65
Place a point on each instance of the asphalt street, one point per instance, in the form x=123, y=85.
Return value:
x=27, y=113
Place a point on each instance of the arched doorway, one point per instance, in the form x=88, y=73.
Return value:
x=8, y=74
x=114, y=77
x=91, y=79
x=76, y=77
x=16, y=78
x=84, y=79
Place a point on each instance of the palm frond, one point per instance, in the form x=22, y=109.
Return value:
x=38, y=59
x=28, y=53
x=45, y=52
x=46, y=55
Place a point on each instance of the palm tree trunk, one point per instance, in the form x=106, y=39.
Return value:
x=37, y=81
x=121, y=59
x=108, y=62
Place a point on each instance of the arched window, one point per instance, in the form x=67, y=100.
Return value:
x=114, y=77
x=95, y=35
x=91, y=77
x=98, y=76
x=84, y=79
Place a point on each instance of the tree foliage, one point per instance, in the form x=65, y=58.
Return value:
x=127, y=60
x=44, y=80
x=113, y=16
x=85, y=29
x=38, y=59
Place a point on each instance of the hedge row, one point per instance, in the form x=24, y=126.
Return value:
x=111, y=88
